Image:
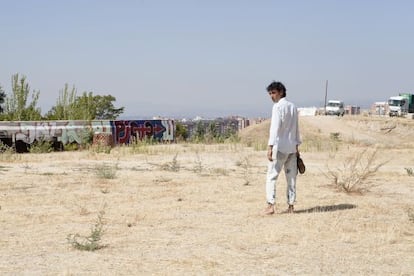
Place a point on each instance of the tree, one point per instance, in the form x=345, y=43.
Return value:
x=212, y=132
x=181, y=132
x=105, y=109
x=199, y=132
x=63, y=110
x=85, y=107
x=16, y=106
x=2, y=99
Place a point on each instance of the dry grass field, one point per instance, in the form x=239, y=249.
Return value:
x=186, y=209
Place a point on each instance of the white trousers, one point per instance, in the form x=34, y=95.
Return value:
x=288, y=162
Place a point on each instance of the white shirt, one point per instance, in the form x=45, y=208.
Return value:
x=284, y=129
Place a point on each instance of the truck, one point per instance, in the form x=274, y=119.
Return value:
x=401, y=105
x=335, y=107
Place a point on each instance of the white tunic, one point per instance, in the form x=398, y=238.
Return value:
x=284, y=130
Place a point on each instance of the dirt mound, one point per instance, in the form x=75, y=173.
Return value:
x=378, y=131
x=255, y=134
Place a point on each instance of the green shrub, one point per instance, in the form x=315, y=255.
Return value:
x=106, y=171
x=41, y=146
x=93, y=241
x=7, y=153
x=142, y=146
x=71, y=147
x=409, y=171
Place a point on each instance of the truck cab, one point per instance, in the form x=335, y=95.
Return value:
x=335, y=107
x=398, y=106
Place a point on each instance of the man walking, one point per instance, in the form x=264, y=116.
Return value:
x=284, y=139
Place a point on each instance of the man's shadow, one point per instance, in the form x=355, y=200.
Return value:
x=329, y=208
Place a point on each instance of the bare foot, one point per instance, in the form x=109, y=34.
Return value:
x=290, y=209
x=269, y=210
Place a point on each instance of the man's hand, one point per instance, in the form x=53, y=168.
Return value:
x=269, y=153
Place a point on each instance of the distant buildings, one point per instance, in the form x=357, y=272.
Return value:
x=223, y=127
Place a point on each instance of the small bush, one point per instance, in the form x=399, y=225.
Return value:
x=353, y=176
x=411, y=215
x=219, y=171
x=233, y=138
x=106, y=171
x=7, y=153
x=335, y=136
x=409, y=171
x=93, y=241
x=41, y=146
x=71, y=147
x=142, y=146
x=172, y=166
x=245, y=165
x=4, y=147
x=101, y=149
x=198, y=168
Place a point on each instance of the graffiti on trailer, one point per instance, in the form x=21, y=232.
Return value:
x=76, y=131
x=126, y=131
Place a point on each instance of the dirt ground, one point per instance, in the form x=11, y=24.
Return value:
x=196, y=209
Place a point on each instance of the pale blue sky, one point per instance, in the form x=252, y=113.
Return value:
x=210, y=58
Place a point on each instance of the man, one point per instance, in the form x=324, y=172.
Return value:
x=284, y=139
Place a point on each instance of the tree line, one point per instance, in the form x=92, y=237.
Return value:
x=22, y=104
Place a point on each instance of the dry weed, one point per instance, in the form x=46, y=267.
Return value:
x=172, y=166
x=356, y=170
x=245, y=165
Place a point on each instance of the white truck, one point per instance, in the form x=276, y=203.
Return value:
x=335, y=107
x=401, y=105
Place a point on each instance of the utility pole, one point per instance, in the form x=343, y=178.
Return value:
x=326, y=94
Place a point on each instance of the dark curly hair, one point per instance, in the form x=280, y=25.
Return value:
x=277, y=85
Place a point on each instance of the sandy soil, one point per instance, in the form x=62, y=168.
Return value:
x=196, y=209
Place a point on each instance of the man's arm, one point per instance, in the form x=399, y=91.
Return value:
x=297, y=133
x=274, y=129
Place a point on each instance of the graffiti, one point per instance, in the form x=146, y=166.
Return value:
x=127, y=131
x=123, y=132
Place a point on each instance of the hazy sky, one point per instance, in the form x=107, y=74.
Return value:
x=212, y=57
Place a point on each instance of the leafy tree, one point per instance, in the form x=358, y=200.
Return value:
x=105, y=109
x=212, y=132
x=2, y=99
x=17, y=107
x=84, y=107
x=181, y=132
x=199, y=132
x=63, y=110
